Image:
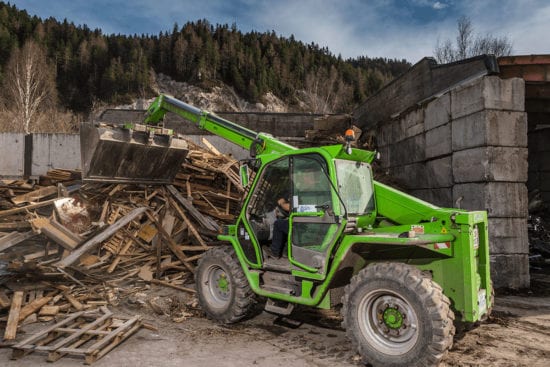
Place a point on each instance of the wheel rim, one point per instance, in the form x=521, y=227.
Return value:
x=388, y=322
x=218, y=286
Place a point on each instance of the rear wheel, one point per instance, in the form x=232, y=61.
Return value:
x=223, y=290
x=395, y=316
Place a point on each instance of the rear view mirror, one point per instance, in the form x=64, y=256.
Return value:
x=243, y=174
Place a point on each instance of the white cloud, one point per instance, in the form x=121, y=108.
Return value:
x=376, y=28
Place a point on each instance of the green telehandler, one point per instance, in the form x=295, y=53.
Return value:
x=403, y=269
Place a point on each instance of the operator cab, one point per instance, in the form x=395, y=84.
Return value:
x=318, y=206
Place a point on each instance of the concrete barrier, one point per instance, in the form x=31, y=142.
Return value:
x=12, y=155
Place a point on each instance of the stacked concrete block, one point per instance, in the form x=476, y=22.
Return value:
x=489, y=165
x=467, y=148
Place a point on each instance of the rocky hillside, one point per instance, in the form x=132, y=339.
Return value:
x=216, y=98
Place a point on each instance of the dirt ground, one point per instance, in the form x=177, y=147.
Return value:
x=518, y=334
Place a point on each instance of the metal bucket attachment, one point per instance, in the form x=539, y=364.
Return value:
x=115, y=154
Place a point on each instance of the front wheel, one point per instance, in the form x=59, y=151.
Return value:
x=223, y=290
x=395, y=316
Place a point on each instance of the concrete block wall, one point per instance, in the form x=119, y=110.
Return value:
x=40, y=152
x=468, y=148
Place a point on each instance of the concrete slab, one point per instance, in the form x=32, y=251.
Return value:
x=384, y=134
x=439, y=141
x=490, y=164
x=439, y=172
x=489, y=127
x=489, y=92
x=438, y=112
x=408, y=151
x=12, y=153
x=500, y=199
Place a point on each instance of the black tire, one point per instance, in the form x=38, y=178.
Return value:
x=223, y=290
x=395, y=316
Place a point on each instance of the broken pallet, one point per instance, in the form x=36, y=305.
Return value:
x=87, y=334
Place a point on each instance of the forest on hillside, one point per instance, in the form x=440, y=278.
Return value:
x=89, y=66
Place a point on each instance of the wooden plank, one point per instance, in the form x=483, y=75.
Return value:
x=14, y=238
x=104, y=211
x=108, y=232
x=57, y=233
x=190, y=225
x=34, y=306
x=15, y=226
x=48, y=310
x=73, y=301
x=13, y=318
x=122, y=251
x=208, y=224
x=34, y=195
x=5, y=213
x=41, y=253
x=210, y=147
x=171, y=244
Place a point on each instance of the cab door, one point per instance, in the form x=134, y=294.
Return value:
x=314, y=227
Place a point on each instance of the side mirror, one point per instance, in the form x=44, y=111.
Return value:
x=243, y=174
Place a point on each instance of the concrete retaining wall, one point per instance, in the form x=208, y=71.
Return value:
x=54, y=151
x=12, y=154
x=468, y=148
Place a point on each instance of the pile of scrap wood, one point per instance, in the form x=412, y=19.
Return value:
x=538, y=229
x=68, y=246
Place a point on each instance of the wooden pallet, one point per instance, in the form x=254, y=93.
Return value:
x=90, y=334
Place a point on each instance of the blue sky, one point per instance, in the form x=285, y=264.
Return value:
x=377, y=28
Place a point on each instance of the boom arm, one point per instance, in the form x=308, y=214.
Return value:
x=257, y=143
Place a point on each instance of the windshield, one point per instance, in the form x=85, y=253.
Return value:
x=355, y=186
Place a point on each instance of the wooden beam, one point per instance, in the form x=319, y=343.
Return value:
x=5, y=213
x=33, y=307
x=94, y=241
x=171, y=244
x=204, y=221
x=13, y=318
x=14, y=238
x=190, y=225
x=34, y=195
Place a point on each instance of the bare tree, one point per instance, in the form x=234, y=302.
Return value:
x=29, y=85
x=468, y=44
x=324, y=92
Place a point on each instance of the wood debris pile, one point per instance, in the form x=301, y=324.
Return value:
x=68, y=247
